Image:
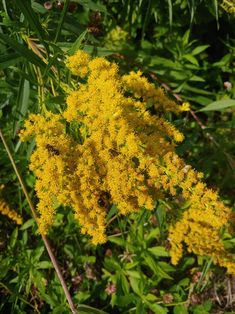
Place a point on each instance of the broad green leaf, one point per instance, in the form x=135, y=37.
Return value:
x=219, y=105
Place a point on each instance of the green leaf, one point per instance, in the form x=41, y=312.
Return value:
x=158, y=251
x=13, y=238
x=38, y=253
x=191, y=59
x=32, y=18
x=117, y=240
x=22, y=50
x=61, y=20
x=9, y=59
x=219, y=105
x=44, y=265
x=154, y=266
x=170, y=11
x=134, y=274
x=196, y=78
x=136, y=285
x=77, y=44
x=98, y=51
x=124, y=283
x=29, y=223
x=37, y=7
x=92, y=5
x=199, y=49
x=22, y=100
x=180, y=309
x=158, y=309
x=85, y=309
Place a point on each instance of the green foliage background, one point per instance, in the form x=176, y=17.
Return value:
x=187, y=47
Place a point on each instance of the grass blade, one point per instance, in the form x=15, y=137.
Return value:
x=31, y=17
x=9, y=59
x=22, y=50
x=61, y=21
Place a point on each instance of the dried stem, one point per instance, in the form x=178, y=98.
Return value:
x=44, y=238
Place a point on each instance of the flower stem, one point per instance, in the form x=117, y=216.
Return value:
x=44, y=238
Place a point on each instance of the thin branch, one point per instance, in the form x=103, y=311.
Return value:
x=44, y=238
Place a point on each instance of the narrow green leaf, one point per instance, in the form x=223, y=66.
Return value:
x=196, y=90
x=77, y=44
x=22, y=101
x=22, y=50
x=29, y=223
x=199, y=49
x=135, y=285
x=14, y=237
x=156, y=308
x=44, y=265
x=159, y=251
x=9, y=59
x=117, y=240
x=216, y=13
x=92, y=5
x=191, y=59
x=32, y=18
x=219, y=105
x=85, y=309
x=170, y=10
x=61, y=20
x=146, y=17
x=98, y=51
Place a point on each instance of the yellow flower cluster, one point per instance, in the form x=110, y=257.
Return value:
x=116, y=38
x=10, y=213
x=107, y=148
x=78, y=63
x=142, y=89
x=228, y=6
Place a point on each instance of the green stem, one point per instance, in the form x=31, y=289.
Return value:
x=44, y=238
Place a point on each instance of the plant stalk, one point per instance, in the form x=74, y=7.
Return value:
x=44, y=238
